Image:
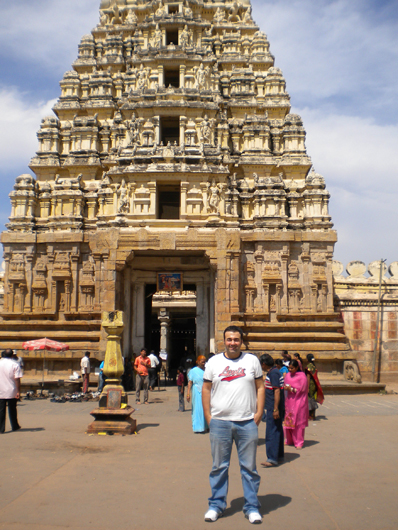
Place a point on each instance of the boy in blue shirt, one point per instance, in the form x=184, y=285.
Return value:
x=275, y=411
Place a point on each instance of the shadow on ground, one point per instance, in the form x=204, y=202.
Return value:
x=269, y=503
x=142, y=426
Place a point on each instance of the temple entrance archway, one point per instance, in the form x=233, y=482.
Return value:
x=180, y=322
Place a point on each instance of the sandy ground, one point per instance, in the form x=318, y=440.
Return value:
x=54, y=476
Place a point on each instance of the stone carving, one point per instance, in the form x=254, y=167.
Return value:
x=351, y=372
x=201, y=75
x=123, y=193
x=205, y=130
x=219, y=15
x=393, y=269
x=131, y=17
x=161, y=10
x=142, y=77
x=157, y=38
x=374, y=269
x=356, y=269
x=337, y=268
x=87, y=286
x=185, y=37
x=215, y=196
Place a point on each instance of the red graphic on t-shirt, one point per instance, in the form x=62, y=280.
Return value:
x=229, y=375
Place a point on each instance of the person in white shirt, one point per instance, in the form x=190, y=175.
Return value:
x=10, y=386
x=152, y=371
x=85, y=367
x=233, y=398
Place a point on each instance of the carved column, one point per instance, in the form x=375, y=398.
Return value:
x=284, y=301
x=29, y=281
x=138, y=331
x=7, y=291
x=75, y=274
x=164, y=319
x=127, y=310
x=98, y=263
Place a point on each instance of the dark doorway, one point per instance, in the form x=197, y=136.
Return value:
x=169, y=202
x=172, y=36
x=170, y=130
x=172, y=78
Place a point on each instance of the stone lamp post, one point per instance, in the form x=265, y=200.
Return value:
x=113, y=414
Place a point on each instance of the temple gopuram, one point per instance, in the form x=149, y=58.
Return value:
x=172, y=182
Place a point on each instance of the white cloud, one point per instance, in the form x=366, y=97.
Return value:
x=332, y=48
x=46, y=32
x=19, y=123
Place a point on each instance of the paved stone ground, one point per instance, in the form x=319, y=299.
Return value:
x=54, y=476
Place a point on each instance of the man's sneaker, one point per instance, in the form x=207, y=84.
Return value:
x=254, y=518
x=211, y=516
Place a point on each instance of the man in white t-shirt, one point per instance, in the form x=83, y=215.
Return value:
x=233, y=399
x=10, y=384
x=152, y=371
x=85, y=367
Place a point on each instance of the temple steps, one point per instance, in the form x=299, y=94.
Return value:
x=321, y=333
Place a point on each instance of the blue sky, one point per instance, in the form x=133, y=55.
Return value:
x=340, y=62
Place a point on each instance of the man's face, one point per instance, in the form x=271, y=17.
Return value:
x=233, y=343
x=143, y=353
x=265, y=368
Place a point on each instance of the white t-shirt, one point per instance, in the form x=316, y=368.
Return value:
x=85, y=365
x=154, y=360
x=233, y=391
x=9, y=371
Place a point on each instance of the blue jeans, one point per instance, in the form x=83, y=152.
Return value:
x=245, y=435
x=274, y=439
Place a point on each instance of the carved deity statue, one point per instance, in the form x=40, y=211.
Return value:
x=157, y=39
x=131, y=17
x=247, y=18
x=142, y=77
x=185, y=37
x=205, y=130
x=215, y=192
x=219, y=15
x=133, y=130
x=123, y=193
x=200, y=77
x=161, y=10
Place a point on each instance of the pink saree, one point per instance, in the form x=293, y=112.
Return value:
x=296, y=409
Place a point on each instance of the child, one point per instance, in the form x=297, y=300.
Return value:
x=180, y=386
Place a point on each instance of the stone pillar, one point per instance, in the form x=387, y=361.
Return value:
x=202, y=319
x=29, y=281
x=75, y=282
x=138, y=335
x=161, y=75
x=97, y=300
x=164, y=319
x=127, y=310
x=182, y=75
x=211, y=310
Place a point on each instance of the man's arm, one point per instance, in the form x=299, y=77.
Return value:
x=206, y=393
x=277, y=399
x=18, y=385
x=260, y=399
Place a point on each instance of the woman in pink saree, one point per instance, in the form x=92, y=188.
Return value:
x=296, y=406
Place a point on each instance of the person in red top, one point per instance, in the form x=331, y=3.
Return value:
x=141, y=366
x=180, y=386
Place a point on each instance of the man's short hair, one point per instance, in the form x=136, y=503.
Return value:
x=145, y=350
x=7, y=353
x=234, y=329
x=279, y=362
x=87, y=353
x=267, y=359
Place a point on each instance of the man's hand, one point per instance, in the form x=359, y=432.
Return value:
x=257, y=418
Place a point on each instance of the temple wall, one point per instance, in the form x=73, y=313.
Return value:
x=356, y=296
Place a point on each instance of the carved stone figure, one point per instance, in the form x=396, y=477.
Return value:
x=205, y=130
x=219, y=15
x=131, y=17
x=157, y=39
x=185, y=37
x=215, y=192
x=200, y=77
x=123, y=193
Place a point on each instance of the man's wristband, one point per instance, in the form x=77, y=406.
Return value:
x=276, y=410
